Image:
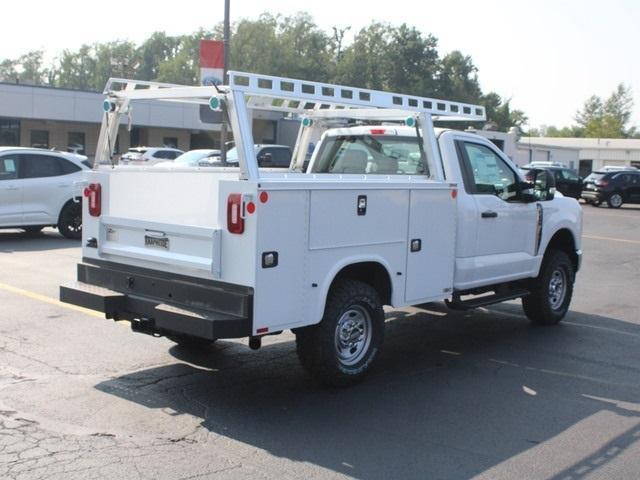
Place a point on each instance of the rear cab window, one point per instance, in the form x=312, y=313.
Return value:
x=371, y=155
x=280, y=157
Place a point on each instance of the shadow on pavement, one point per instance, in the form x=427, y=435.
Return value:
x=20, y=241
x=453, y=395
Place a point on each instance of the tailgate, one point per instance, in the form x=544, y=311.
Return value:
x=173, y=221
x=187, y=246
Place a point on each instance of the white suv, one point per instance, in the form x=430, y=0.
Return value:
x=149, y=156
x=40, y=188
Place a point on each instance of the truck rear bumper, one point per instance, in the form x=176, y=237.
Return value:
x=158, y=303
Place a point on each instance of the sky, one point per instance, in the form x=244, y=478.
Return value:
x=547, y=56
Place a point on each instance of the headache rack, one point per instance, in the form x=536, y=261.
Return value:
x=306, y=99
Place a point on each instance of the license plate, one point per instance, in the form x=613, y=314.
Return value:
x=159, y=242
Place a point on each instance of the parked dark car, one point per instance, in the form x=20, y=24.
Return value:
x=567, y=181
x=615, y=188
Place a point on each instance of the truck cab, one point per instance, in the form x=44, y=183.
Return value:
x=388, y=211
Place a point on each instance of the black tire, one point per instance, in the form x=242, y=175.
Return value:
x=615, y=200
x=190, y=343
x=33, y=229
x=70, y=221
x=341, y=349
x=546, y=305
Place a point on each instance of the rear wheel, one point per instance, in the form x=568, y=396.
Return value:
x=343, y=346
x=551, y=291
x=70, y=221
x=615, y=200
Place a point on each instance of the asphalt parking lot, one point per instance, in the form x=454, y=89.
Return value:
x=455, y=395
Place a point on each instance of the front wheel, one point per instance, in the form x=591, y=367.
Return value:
x=551, y=291
x=343, y=346
x=70, y=221
x=615, y=200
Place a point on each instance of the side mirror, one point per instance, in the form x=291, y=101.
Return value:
x=543, y=183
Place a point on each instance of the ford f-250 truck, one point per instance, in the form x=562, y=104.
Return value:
x=389, y=211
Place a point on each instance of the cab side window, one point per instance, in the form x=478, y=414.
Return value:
x=486, y=173
x=9, y=167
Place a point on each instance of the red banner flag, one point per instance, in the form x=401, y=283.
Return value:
x=211, y=62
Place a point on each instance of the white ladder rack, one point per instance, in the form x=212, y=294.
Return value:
x=300, y=96
x=305, y=98
x=265, y=92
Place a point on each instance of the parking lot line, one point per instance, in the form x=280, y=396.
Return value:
x=612, y=239
x=52, y=301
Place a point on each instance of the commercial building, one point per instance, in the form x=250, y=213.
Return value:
x=582, y=154
x=45, y=117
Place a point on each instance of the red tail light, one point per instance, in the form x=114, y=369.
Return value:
x=235, y=215
x=93, y=194
x=378, y=131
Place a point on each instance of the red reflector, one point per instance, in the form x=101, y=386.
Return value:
x=251, y=207
x=235, y=222
x=377, y=131
x=264, y=196
x=262, y=330
x=93, y=194
x=454, y=194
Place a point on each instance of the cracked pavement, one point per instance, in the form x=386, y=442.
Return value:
x=455, y=396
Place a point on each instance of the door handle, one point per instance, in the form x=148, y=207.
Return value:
x=489, y=214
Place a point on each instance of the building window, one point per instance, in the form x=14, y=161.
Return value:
x=39, y=138
x=9, y=132
x=170, y=142
x=76, y=142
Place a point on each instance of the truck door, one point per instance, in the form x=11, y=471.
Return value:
x=505, y=229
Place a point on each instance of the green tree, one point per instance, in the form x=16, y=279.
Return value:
x=458, y=78
x=500, y=113
x=365, y=62
x=381, y=56
x=154, y=51
x=413, y=62
x=592, y=108
x=608, y=118
x=8, y=72
x=75, y=69
x=605, y=126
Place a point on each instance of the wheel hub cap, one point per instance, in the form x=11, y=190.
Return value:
x=353, y=335
x=557, y=288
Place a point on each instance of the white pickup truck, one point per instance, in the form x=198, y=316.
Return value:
x=389, y=211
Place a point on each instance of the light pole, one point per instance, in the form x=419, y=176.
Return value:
x=225, y=68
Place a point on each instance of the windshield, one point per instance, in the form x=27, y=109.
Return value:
x=593, y=176
x=194, y=156
x=370, y=154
